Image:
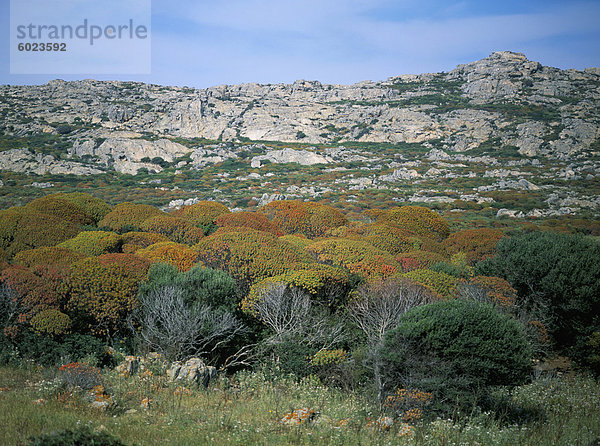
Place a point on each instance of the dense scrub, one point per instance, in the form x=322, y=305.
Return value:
x=401, y=313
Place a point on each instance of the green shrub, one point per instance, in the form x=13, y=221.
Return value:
x=81, y=435
x=557, y=275
x=457, y=350
x=199, y=285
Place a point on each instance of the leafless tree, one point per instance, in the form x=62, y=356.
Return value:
x=167, y=325
x=289, y=312
x=377, y=309
x=11, y=305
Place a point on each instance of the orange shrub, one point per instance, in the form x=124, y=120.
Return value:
x=299, y=217
x=497, y=290
x=132, y=241
x=41, y=288
x=249, y=255
x=130, y=215
x=178, y=255
x=477, y=244
x=203, y=213
x=246, y=219
x=419, y=220
x=441, y=284
x=419, y=260
x=93, y=243
x=175, y=229
x=104, y=288
x=356, y=255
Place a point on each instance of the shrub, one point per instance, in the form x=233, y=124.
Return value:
x=177, y=329
x=93, y=243
x=299, y=217
x=325, y=284
x=557, y=275
x=495, y=290
x=132, y=241
x=419, y=220
x=22, y=229
x=94, y=207
x=128, y=215
x=249, y=255
x=476, y=244
x=387, y=236
x=357, y=256
x=454, y=349
x=245, y=219
x=418, y=260
x=202, y=214
x=52, y=350
x=199, y=285
x=78, y=374
x=60, y=208
x=51, y=322
x=442, y=284
x=103, y=289
x=178, y=255
x=49, y=255
x=81, y=435
x=175, y=229
x=39, y=289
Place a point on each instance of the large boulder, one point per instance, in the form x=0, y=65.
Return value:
x=193, y=370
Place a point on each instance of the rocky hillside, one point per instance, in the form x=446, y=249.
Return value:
x=503, y=123
x=504, y=99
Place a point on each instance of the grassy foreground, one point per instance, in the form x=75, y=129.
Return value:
x=248, y=409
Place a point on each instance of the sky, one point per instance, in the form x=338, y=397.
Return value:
x=205, y=43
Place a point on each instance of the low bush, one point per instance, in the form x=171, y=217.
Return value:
x=456, y=350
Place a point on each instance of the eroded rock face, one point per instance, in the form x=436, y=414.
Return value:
x=501, y=100
x=22, y=160
x=303, y=157
x=125, y=155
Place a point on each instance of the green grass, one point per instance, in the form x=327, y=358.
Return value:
x=247, y=409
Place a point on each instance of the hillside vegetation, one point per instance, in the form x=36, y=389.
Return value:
x=294, y=324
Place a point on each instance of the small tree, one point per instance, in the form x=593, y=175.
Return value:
x=377, y=310
x=298, y=327
x=177, y=330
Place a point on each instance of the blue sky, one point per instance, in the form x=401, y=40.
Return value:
x=204, y=43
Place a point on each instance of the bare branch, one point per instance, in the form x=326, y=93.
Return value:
x=169, y=326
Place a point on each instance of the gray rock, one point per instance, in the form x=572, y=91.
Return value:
x=193, y=371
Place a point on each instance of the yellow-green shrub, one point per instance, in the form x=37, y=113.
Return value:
x=203, y=213
x=51, y=322
x=356, y=255
x=419, y=220
x=175, y=229
x=93, y=243
x=444, y=285
x=128, y=215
